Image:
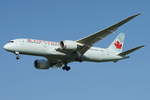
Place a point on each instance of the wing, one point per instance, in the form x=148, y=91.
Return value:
x=90, y=40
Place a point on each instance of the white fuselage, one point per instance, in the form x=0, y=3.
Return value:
x=66, y=51
x=50, y=50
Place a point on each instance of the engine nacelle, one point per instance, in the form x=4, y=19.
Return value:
x=68, y=45
x=41, y=64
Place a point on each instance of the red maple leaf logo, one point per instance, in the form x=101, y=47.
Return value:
x=118, y=45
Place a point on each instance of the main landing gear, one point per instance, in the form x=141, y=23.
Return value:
x=17, y=55
x=67, y=68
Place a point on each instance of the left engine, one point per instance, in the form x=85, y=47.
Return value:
x=41, y=64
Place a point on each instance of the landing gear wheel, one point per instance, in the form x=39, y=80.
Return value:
x=17, y=57
x=67, y=68
x=64, y=68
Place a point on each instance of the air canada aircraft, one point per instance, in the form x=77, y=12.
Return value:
x=59, y=54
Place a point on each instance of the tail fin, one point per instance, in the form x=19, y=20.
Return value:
x=117, y=44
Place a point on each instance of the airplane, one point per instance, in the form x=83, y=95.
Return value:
x=59, y=54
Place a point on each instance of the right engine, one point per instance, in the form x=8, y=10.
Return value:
x=69, y=45
x=41, y=64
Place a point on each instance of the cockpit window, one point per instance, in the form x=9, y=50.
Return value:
x=11, y=41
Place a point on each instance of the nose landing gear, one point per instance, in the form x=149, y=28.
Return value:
x=17, y=55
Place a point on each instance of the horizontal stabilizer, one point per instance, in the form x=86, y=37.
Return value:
x=130, y=51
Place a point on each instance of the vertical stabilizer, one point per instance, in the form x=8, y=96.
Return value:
x=117, y=44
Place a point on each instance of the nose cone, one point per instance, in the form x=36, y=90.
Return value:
x=6, y=47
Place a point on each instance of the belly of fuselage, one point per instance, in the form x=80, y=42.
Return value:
x=99, y=56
